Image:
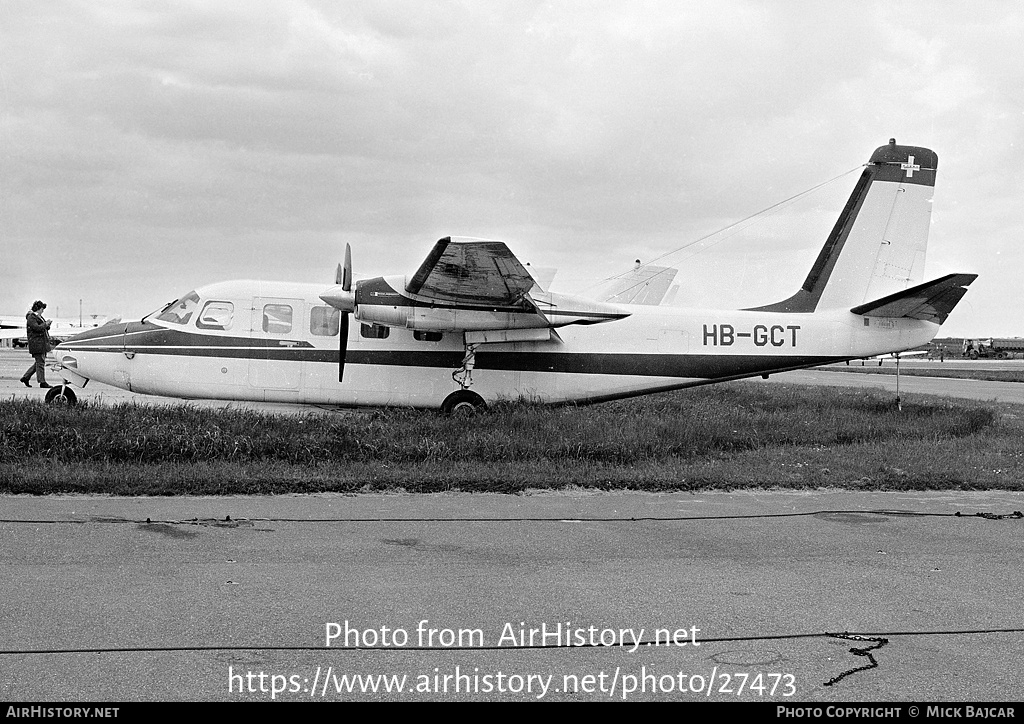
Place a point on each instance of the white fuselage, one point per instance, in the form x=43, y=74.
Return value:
x=251, y=354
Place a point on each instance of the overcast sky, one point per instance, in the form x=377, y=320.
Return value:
x=150, y=148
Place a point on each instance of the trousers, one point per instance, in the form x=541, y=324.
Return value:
x=39, y=367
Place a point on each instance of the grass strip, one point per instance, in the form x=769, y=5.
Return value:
x=725, y=437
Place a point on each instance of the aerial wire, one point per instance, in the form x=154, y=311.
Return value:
x=707, y=236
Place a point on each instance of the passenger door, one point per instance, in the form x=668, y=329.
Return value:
x=277, y=330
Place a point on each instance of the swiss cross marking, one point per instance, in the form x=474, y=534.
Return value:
x=910, y=167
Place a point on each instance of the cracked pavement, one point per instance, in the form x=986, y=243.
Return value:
x=101, y=605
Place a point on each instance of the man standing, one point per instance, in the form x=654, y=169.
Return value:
x=38, y=344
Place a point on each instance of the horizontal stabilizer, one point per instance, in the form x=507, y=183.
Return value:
x=931, y=301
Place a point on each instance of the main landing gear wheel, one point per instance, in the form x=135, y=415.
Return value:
x=463, y=403
x=61, y=395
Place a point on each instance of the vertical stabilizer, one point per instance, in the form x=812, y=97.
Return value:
x=878, y=244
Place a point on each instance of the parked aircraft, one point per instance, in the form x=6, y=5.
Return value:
x=471, y=326
x=62, y=328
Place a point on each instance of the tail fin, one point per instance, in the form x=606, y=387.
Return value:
x=877, y=246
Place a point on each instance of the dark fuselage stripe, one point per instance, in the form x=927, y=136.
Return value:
x=701, y=366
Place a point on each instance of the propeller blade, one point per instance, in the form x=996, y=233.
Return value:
x=342, y=345
x=342, y=278
x=346, y=280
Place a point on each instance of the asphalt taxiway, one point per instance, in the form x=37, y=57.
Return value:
x=116, y=599
x=195, y=599
x=973, y=389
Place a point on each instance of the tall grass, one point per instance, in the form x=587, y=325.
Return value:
x=721, y=436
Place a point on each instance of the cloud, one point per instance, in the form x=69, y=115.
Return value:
x=256, y=139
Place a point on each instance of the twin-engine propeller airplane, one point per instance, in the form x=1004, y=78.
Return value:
x=472, y=326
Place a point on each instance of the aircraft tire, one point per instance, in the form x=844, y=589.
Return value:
x=463, y=403
x=61, y=395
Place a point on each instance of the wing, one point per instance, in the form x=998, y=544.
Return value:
x=542, y=275
x=643, y=285
x=931, y=301
x=475, y=272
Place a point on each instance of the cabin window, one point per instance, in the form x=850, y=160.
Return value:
x=374, y=331
x=216, y=315
x=181, y=310
x=324, y=321
x=427, y=336
x=277, y=318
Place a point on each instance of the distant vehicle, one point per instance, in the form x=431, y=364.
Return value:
x=994, y=348
x=473, y=316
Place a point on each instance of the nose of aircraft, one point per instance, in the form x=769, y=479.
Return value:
x=97, y=337
x=93, y=354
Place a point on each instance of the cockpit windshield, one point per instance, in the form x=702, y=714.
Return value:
x=180, y=310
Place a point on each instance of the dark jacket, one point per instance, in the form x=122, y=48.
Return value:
x=38, y=333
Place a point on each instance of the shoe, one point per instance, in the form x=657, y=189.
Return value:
x=26, y=383
x=43, y=385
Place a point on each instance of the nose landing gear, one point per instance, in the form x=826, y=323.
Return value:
x=61, y=395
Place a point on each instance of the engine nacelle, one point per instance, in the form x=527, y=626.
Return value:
x=443, y=319
x=378, y=301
